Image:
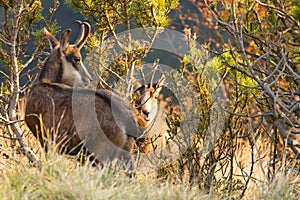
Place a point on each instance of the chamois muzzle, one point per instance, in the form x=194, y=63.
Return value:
x=85, y=76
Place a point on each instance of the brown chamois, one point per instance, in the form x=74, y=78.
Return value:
x=75, y=119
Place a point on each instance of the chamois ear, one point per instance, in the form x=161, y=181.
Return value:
x=65, y=39
x=52, y=40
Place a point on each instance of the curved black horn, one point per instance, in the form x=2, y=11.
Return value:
x=143, y=77
x=85, y=30
x=81, y=33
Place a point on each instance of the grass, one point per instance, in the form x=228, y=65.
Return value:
x=60, y=177
x=280, y=188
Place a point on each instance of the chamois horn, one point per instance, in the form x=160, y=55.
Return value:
x=85, y=30
x=154, y=69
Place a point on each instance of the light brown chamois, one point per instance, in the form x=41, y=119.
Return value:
x=150, y=114
x=75, y=119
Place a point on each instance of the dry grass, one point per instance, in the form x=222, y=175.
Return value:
x=61, y=177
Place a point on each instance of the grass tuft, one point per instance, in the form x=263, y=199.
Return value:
x=59, y=177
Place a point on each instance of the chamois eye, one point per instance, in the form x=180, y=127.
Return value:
x=76, y=59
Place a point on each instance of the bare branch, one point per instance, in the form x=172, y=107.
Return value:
x=14, y=127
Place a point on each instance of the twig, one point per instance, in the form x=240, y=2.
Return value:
x=14, y=128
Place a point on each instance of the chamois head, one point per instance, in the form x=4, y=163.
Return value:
x=64, y=65
x=146, y=99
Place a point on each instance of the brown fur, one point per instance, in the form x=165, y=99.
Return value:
x=53, y=102
x=77, y=118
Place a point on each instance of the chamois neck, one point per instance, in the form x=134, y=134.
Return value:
x=52, y=70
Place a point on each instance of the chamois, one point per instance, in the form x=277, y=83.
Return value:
x=75, y=119
x=150, y=114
